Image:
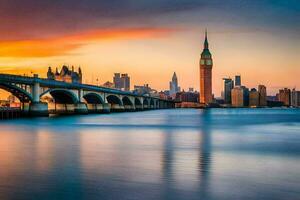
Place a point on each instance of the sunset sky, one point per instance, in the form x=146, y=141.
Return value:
x=150, y=39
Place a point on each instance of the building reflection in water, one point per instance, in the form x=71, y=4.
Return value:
x=204, y=159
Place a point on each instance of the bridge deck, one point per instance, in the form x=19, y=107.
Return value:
x=17, y=79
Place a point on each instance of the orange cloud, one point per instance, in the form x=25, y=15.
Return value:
x=64, y=44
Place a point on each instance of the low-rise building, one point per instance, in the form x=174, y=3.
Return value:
x=108, y=84
x=145, y=90
x=187, y=97
x=65, y=75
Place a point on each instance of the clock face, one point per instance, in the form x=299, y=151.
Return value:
x=202, y=62
x=208, y=62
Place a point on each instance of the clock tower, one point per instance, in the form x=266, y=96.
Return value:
x=206, y=65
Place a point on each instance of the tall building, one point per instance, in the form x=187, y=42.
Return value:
x=174, y=88
x=206, y=65
x=285, y=96
x=65, y=75
x=295, y=98
x=253, y=98
x=237, y=97
x=238, y=80
x=228, y=86
x=122, y=81
x=240, y=96
x=245, y=95
x=262, y=90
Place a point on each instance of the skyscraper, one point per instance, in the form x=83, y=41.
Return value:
x=237, y=97
x=206, y=65
x=262, y=90
x=228, y=86
x=122, y=81
x=238, y=80
x=174, y=88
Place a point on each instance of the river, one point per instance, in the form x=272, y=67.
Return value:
x=161, y=154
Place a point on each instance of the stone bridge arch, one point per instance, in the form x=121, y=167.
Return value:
x=152, y=103
x=21, y=94
x=93, y=98
x=128, y=103
x=115, y=102
x=62, y=96
x=146, y=103
x=95, y=102
x=138, y=103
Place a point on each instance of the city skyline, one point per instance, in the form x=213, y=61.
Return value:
x=151, y=45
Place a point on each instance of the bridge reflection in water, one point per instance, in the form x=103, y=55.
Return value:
x=159, y=162
x=74, y=98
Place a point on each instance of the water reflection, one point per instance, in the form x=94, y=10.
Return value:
x=183, y=171
x=185, y=154
x=205, y=158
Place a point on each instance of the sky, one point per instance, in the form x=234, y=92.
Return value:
x=149, y=40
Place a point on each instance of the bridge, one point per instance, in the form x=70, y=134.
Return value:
x=74, y=98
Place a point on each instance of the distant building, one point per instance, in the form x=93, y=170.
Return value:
x=108, y=84
x=238, y=80
x=65, y=75
x=122, y=81
x=164, y=95
x=262, y=90
x=272, y=98
x=246, y=95
x=174, y=88
x=295, y=98
x=285, y=96
x=145, y=90
x=228, y=86
x=240, y=96
x=272, y=101
x=187, y=97
x=253, y=98
x=237, y=97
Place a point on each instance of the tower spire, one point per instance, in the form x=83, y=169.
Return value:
x=206, y=40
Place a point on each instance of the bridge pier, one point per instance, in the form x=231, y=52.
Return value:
x=117, y=108
x=146, y=107
x=106, y=108
x=80, y=108
x=139, y=107
x=129, y=108
x=98, y=108
x=38, y=109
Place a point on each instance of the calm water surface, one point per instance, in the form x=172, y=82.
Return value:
x=165, y=154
